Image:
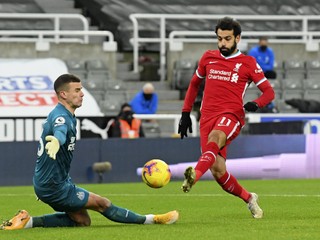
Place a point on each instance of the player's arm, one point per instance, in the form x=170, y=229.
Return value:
x=264, y=86
x=267, y=94
x=265, y=98
x=56, y=140
x=192, y=92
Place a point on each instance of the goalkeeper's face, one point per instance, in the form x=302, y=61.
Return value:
x=73, y=95
x=227, y=42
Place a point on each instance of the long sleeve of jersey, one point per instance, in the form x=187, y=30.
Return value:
x=267, y=94
x=192, y=92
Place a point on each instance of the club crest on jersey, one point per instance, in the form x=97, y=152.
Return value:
x=80, y=195
x=59, y=121
x=237, y=67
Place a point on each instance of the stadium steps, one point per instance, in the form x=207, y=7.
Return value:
x=68, y=6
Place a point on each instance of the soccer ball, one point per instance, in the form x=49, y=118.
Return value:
x=156, y=173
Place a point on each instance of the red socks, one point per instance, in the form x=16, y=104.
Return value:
x=207, y=159
x=230, y=184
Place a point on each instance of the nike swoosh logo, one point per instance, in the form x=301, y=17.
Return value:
x=212, y=62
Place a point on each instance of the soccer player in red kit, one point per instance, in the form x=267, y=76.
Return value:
x=228, y=73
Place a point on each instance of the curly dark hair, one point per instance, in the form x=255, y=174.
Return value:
x=228, y=23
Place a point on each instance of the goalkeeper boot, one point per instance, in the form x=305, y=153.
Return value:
x=19, y=221
x=253, y=206
x=167, y=218
x=189, y=178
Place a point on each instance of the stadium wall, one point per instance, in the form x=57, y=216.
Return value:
x=126, y=155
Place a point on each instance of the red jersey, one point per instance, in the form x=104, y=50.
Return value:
x=227, y=78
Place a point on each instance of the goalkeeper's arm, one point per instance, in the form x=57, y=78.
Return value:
x=54, y=142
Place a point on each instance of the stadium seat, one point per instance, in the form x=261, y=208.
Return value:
x=112, y=102
x=78, y=68
x=251, y=94
x=294, y=69
x=285, y=108
x=293, y=93
x=313, y=69
x=279, y=69
x=151, y=129
x=276, y=84
x=97, y=69
x=312, y=84
x=182, y=73
x=312, y=95
x=94, y=83
x=292, y=84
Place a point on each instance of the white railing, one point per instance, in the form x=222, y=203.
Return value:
x=174, y=117
x=43, y=38
x=302, y=36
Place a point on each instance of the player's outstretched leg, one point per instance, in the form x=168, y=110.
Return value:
x=167, y=218
x=19, y=221
x=122, y=215
x=253, y=206
x=189, y=178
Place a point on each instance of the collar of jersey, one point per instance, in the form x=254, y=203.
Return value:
x=62, y=106
x=232, y=56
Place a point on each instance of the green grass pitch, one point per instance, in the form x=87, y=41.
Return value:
x=291, y=207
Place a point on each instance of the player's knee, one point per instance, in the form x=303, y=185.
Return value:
x=84, y=222
x=103, y=203
x=218, y=137
x=81, y=220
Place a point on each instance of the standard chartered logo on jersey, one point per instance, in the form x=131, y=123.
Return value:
x=72, y=144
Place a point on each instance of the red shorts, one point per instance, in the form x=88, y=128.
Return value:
x=227, y=123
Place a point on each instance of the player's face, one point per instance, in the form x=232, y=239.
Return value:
x=227, y=42
x=74, y=95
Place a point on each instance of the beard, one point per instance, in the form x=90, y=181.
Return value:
x=228, y=51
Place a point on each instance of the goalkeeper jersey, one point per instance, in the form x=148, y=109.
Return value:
x=51, y=173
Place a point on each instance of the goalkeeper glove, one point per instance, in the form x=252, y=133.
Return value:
x=251, y=106
x=52, y=146
x=185, y=124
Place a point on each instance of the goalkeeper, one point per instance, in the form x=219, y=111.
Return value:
x=52, y=183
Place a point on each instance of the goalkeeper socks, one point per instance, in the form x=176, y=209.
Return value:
x=207, y=159
x=121, y=215
x=230, y=184
x=53, y=220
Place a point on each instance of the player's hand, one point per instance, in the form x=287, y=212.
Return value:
x=185, y=124
x=52, y=146
x=251, y=106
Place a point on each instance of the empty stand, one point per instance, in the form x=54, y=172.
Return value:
x=112, y=102
x=312, y=83
x=182, y=73
x=294, y=69
x=276, y=84
x=251, y=94
x=97, y=69
x=292, y=84
x=313, y=69
x=77, y=68
x=312, y=94
x=284, y=107
x=279, y=69
x=293, y=93
x=151, y=129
